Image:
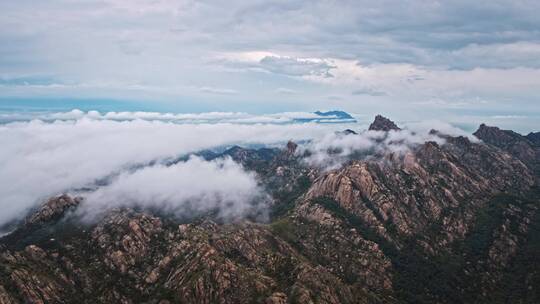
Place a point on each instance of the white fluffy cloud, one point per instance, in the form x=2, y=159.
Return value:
x=278, y=64
x=189, y=118
x=186, y=188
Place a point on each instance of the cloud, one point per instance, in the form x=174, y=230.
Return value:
x=27, y=81
x=277, y=64
x=497, y=55
x=368, y=91
x=335, y=97
x=39, y=159
x=193, y=118
x=218, y=91
x=185, y=189
x=332, y=150
x=286, y=91
x=425, y=126
x=508, y=116
x=70, y=151
x=296, y=66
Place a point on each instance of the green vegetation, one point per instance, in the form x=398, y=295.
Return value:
x=356, y=222
x=285, y=229
x=422, y=278
x=286, y=199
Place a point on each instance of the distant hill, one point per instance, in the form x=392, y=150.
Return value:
x=329, y=117
x=339, y=114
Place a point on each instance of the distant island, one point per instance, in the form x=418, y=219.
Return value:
x=334, y=116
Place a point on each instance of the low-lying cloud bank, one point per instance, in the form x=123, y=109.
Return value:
x=39, y=159
x=190, y=118
x=184, y=189
x=75, y=151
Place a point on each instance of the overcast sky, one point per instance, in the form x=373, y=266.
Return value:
x=456, y=60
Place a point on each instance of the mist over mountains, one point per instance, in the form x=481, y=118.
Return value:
x=66, y=151
x=76, y=150
x=131, y=207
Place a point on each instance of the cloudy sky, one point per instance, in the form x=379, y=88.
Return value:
x=460, y=61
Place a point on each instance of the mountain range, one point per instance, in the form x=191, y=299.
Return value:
x=452, y=220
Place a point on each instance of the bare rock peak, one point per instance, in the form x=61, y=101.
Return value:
x=53, y=208
x=382, y=123
x=484, y=127
x=291, y=147
x=495, y=135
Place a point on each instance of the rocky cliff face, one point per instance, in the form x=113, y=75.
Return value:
x=439, y=223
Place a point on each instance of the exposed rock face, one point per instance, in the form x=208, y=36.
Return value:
x=131, y=257
x=523, y=147
x=448, y=223
x=427, y=182
x=53, y=208
x=382, y=123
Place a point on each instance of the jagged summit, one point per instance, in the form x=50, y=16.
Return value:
x=382, y=123
x=496, y=136
x=523, y=147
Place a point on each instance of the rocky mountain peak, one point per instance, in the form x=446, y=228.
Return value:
x=523, y=147
x=291, y=147
x=382, y=123
x=484, y=129
x=495, y=136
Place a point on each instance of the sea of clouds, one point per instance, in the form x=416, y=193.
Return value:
x=46, y=154
x=189, y=118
